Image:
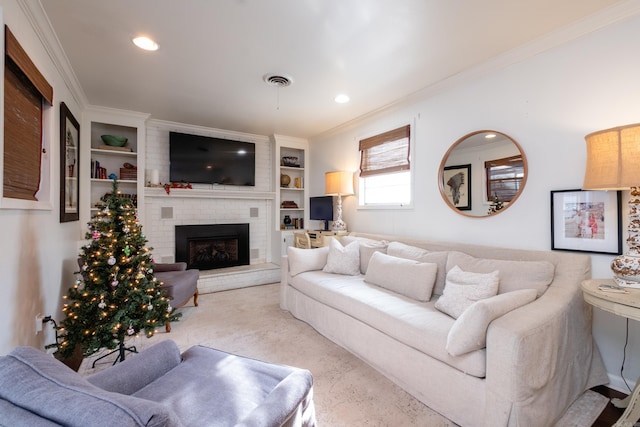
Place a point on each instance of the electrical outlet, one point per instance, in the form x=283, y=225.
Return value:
x=39, y=318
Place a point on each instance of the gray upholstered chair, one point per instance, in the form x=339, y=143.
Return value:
x=179, y=283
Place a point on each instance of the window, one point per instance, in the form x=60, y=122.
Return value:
x=385, y=169
x=504, y=178
x=27, y=94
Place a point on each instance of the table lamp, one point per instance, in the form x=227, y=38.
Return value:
x=613, y=163
x=339, y=183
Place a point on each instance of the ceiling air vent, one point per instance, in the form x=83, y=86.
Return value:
x=278, y=80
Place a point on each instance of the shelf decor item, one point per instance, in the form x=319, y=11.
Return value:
x=69, y=165
x=285, y=180
x=290, y=161
x=114, y=141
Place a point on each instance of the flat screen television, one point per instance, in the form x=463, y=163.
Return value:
x=209, y=160
x=321, y=209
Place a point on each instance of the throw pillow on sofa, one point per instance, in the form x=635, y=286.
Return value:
x=514, y=275
x=301, y=260
x=402, y=250
x=464, y=288
x=343, y=259
x=469, y=331
x=405, y=276
x=367, y=248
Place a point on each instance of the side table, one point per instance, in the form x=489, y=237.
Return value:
x=625, y=305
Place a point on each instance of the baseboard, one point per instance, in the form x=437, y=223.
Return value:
x=617, y=383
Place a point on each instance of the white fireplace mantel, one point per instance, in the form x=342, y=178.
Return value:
x=197, y=193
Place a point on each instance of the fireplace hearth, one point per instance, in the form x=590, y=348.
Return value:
x=212, y=246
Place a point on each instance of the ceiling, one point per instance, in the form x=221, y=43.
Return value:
x=213, y=53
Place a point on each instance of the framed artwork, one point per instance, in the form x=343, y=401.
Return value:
x=586, y=221
x=69, y=165
x=456, y=182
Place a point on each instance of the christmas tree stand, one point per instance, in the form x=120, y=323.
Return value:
x=121, y=350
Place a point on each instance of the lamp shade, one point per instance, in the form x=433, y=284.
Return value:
x=338, y=183
x=613, y=159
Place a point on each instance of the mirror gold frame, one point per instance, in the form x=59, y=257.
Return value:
x=469, y=166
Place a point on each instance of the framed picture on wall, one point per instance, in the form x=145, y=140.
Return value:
x=586, y=221
x=69, y=163
x=456, y=182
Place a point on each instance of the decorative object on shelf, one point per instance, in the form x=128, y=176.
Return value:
x=289, y=204
x=339, y=183
x=287, y=220
x=129, y=172
x=114, y=141
x=168, y=187
x=290, y=161
x=69, y=164
x=285, y=180
x=613, y=163
x=586, y=221
x=154, y=177
x=98, y=313
x=496, y=205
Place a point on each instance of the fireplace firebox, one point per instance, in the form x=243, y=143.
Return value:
x=211, y=246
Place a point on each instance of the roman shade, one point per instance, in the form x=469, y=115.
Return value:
x=385, y=153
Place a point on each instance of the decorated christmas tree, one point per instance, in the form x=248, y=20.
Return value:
x=116, y=294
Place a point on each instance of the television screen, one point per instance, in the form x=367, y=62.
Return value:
x=209, y=160
x=321, y=209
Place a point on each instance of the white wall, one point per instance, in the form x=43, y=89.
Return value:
x=37, y=252
x=547, y=103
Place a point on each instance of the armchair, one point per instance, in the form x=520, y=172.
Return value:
x=179, y=283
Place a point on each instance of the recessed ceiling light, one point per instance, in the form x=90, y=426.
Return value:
x=342, y=98
x=145, y=43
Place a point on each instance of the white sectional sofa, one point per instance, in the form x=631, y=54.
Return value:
x=517, y=355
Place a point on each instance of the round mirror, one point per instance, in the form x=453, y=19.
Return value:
x=482, y=174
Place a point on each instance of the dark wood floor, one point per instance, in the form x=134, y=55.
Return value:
x=610, y=415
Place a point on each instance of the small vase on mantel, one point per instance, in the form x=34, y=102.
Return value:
x=626, y=267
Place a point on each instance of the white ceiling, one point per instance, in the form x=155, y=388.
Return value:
x=213, y=53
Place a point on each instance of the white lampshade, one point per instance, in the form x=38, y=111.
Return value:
x=338, y=183
x=613, y=159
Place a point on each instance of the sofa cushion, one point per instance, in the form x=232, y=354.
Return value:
x=469, y=331
x=367, y=248
x=402, y=250
x=38, y=383
x=405, y=276
x=411, y=322
x=514, y=275
x=465, y=288
x=343, y=259
x=301, y=260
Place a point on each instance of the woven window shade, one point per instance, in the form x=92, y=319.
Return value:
x=386, y=152
x=25, y=88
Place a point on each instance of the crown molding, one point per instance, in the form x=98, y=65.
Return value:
x=592, y=23
x=40, y=23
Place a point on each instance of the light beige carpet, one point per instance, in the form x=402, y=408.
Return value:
x=249, y=322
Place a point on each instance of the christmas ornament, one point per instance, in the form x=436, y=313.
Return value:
x=102, y=304
x=127, y=250
x=169, y=308
x=112, y=260
x=126, y=229
x=131, y=331
x=150, y=306
x=114, y=283
x=95, y=235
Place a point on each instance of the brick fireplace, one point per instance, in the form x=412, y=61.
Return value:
x=212, y=246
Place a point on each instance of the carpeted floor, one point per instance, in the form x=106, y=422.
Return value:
x=347, y=392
